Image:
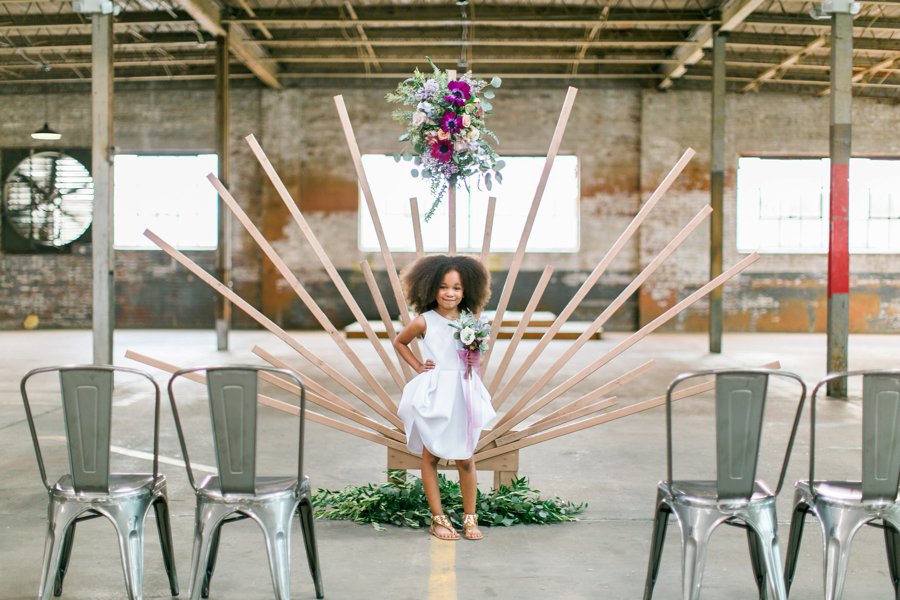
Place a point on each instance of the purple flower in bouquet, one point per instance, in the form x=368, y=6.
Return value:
x=445, y=127
x=451, y=123
x=460, y=92
x=442, y=150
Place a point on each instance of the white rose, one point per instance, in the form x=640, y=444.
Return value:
x=472, y=134
x=467, y=335
x=460, y=145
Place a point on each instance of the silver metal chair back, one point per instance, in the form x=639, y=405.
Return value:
x=740, y=403
x=842, y=507
x=237, y=491
x=89, y=490
x=232, y=406
x=87, y=411
x=881, y=436
x=736, y=496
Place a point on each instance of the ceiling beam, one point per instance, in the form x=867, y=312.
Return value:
x=733, y=14
x=784, y=65
x=240, y=42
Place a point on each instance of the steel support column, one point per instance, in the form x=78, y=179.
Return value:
x=717, y=188
x=838, y=246
x=223, y=249
x=103, y=304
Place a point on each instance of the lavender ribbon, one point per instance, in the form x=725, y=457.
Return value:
x=470, y=358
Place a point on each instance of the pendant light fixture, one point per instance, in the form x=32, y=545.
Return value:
x=45, y=133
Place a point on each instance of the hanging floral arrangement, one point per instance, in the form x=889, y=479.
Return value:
x=445, y=127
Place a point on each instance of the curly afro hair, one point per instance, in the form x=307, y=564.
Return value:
x=422, y=279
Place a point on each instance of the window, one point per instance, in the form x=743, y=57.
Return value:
x=783, y=205
x=169, y=195
x=555, y=228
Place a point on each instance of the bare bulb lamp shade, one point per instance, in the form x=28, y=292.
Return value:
x=45, y=133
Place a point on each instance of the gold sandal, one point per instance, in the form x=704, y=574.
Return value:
x=470, y=527
x=442, y=521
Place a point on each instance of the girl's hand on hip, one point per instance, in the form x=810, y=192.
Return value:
x=427, y=366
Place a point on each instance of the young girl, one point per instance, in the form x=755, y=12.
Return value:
x=441, y=420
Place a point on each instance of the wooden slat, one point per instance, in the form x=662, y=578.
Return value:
x=488, y=229
x=305, y=297
x=373, y=211
x=608, y=312
x=326, y=404
x=319, y=251
x=601, y=267
x=312, y=386
x=283, y=406
x=383, y=313
x=600, y=391
x=605, y=418
x=451, y=224
x=520, y=331
x=583, y=411
x=644, y=331
x=263, y=320
x=513, y=272
x=417, y=226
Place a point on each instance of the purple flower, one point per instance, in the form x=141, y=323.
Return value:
x=459, y=92
x=451, y=123
x=442, y=151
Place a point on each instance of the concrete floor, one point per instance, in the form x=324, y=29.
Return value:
x=613, y=467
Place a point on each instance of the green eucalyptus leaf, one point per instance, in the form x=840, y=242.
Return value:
x=496, y=82
x=414, y=172
x=499, y=165
x=488, y=93
x=396, y=158
x=403, y=137
x=487, y=106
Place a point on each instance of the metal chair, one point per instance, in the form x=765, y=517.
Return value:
x=89, y=490
x=736, y=497
x=237, y=493
x=843, y=507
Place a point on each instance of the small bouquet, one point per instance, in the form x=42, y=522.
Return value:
x=445, y=126
x=472, y=333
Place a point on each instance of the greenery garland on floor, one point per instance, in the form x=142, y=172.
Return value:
x=403, y=503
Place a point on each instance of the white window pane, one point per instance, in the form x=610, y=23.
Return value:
x=556, y=226
x=783, y=204
x=169, y=195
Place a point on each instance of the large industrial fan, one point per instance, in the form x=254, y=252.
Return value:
x=48, y=199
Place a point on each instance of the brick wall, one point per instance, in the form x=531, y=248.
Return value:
x=626, y=140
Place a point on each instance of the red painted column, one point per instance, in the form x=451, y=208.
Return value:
x=838, y=246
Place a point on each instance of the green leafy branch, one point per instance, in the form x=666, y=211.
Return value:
x=403, y=503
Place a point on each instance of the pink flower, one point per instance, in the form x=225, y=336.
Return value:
x=460, y=145
x=460, y=92
x=418, y=118
x=451, y=123
x=466, y=120
x=443, y=135
x=442, y=151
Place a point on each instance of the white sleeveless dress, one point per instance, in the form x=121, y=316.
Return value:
x=435, y=409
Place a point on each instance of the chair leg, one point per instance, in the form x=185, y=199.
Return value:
x=757, y=563
x=60, y=518
x=839, y=527
x=312, y=552
x=211, y=562
x=892, y=545
x=794, y=538
x=129, y=519
x=657, y=540
x=696, y=528
x=208, y=519
x=164, y=526
x=765, y=529
x=276, y=526
x=68, y=542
